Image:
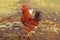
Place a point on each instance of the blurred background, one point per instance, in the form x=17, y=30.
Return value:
x=11, y=27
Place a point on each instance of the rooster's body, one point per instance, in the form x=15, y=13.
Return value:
x=26, y=19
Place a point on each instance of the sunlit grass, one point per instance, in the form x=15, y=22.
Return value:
x=7, y=6
x=49, y=5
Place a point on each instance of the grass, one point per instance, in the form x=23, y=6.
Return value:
x=8, y=6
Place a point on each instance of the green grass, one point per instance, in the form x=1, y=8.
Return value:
x=48, y=4
x=7, y=6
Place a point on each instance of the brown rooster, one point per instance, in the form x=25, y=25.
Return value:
x=27, y=21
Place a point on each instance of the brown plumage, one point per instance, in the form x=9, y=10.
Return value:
x=27, y=21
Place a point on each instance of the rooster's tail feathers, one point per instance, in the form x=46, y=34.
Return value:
x=38, y=16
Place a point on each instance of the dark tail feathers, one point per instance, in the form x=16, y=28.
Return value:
x=38, y=16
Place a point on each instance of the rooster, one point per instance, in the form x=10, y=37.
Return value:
x=26, y=19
